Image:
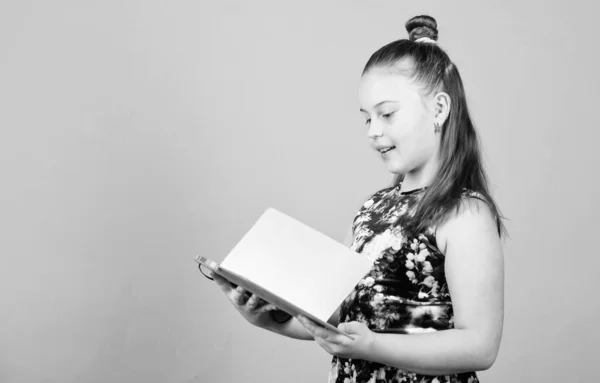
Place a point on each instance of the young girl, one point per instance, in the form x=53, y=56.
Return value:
x=431, y=308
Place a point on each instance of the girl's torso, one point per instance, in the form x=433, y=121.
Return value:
x=406, y=290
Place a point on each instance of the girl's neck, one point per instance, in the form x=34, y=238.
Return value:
x=411, y=183
x=420, y=177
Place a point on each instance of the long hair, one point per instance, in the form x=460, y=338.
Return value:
x=461, y=166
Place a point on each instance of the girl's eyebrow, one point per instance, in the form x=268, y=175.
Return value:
x=378, y=104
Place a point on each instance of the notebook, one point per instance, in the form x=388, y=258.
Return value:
x=295, y=267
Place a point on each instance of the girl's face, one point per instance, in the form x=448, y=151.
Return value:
x=400, y=122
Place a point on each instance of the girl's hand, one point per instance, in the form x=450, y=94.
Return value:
x=252, y=308
x=340, y=345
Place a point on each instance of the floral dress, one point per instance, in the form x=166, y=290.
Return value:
x=405, y=292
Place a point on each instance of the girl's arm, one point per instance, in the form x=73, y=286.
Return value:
x=475, y=275
x=291, y=329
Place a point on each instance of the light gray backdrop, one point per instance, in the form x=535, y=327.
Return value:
x=136, y=134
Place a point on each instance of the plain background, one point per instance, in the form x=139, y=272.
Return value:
x=137, y=134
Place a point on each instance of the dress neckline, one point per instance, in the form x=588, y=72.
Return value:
x=409, y=192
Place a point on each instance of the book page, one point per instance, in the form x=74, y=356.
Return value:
x=298, y=263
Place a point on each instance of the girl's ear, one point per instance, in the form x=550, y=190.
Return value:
x=442, y=107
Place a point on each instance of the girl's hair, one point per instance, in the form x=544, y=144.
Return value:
x=460, y=159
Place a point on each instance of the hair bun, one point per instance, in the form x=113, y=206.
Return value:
x=422, y=26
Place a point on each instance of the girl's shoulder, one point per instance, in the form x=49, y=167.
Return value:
x=472, y=198
x=473, y=209
x=469, y=193
x=471, y=203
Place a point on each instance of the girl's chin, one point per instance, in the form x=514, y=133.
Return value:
x=396, y=168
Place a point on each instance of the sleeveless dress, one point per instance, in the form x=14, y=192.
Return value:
x=405, y=291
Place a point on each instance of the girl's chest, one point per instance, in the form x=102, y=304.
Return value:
x=407, y=267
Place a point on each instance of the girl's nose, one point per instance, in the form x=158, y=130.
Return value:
x=374, y=131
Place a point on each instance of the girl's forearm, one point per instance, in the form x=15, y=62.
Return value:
x=291, y=329
x=436, y=353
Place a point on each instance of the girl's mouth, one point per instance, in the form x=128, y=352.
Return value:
x=385, y=150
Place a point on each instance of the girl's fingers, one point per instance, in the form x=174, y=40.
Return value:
x=252, y=302
x=222, y=282
x=267, y=307
x=237, y=296
x=259, y=305
x=321, y=332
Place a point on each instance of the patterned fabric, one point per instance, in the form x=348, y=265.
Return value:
x=405, y=291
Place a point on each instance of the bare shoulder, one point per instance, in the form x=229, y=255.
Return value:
x=472, y=221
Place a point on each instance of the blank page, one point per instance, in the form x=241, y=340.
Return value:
x=298, y=263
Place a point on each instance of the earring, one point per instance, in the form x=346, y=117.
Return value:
x=437, y=127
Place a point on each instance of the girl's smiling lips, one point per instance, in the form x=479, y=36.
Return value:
x=384, y=149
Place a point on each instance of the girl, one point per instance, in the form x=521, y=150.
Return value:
x=431, y=308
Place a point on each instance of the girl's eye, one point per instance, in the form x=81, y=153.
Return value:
x=385, y=116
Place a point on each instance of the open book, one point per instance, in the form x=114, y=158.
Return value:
x=293, y=266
